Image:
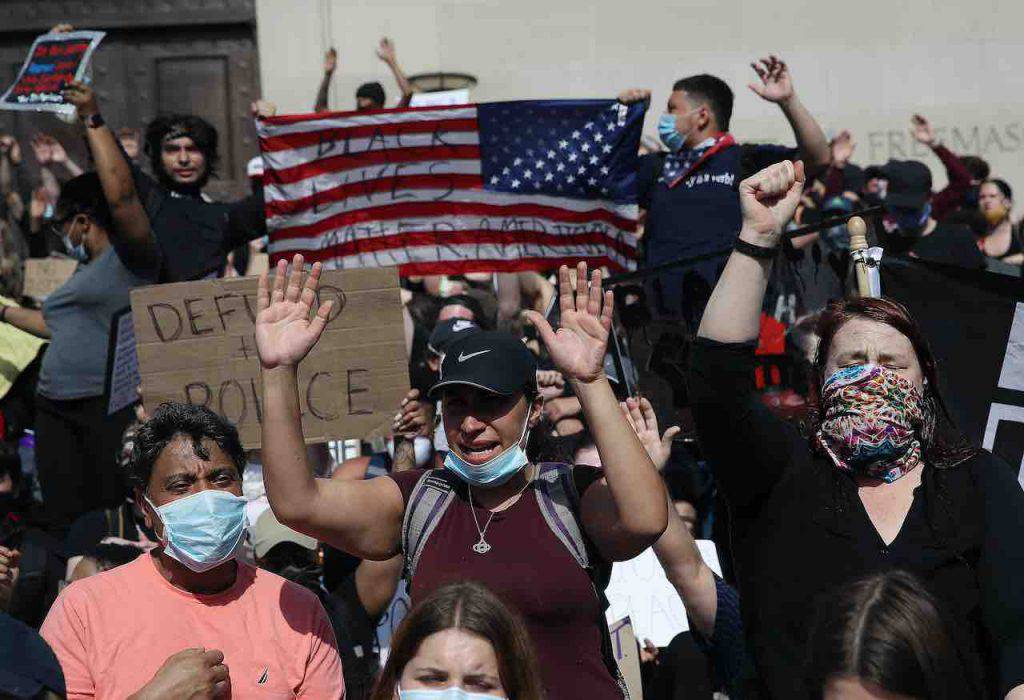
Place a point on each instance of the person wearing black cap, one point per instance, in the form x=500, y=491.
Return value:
x=445, y=334
x=909, y=228
x=539, y=535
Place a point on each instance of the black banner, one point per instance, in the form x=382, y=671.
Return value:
x=974, y=322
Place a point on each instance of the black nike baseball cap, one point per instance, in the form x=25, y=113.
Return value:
x=493, y=361
x=448, y=332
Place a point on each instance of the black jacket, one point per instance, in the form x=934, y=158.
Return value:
x=800, y=530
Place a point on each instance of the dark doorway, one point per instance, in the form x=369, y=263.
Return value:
x=188, y=56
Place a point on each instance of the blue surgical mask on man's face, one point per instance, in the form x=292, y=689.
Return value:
x=76, y=250
x=204, y=530
x=668, y=132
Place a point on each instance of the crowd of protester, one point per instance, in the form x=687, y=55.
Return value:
x=868, y=550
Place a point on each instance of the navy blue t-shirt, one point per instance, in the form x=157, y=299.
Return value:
x=700, y=215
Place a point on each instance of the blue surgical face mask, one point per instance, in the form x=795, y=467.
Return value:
x=445, y=694
x=204, y=530
x=76, y=251
x=669, y=134
x=495, y=471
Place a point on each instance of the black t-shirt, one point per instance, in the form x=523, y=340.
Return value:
x=194, y=236
x=951, y=244
x=700, y=215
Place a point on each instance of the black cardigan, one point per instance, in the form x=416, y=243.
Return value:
x=800, y=530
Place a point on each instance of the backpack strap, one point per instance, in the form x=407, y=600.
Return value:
x=429, y=500
x=559, y=503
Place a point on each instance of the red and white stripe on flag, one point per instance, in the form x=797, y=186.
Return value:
x=404, y=187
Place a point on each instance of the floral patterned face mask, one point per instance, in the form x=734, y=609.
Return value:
x=873, y=422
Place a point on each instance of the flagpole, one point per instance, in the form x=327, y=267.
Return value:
x=690, y=260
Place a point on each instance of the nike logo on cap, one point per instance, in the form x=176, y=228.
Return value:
x=463, y=357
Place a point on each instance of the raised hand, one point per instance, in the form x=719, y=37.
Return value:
x=284, y=332
x=261, y=109
x=776, y=84
x=414, y=417
x=130, y=140
x=83, y=97
x=57, y=152
x=41, y=148
x=551, y=383
x=922, y=130
x=37, y=205
x=578, y=348
x=842, y=147
x=644, y=422
x=386, y=50
x=10, y=147
x=634, y=95
x=330, y=60
x=769, y=197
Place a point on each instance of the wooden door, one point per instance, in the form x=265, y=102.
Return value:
x=172, y=57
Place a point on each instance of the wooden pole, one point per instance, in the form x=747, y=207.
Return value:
x=859, y=241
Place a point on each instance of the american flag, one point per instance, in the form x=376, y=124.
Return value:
x=489, y=187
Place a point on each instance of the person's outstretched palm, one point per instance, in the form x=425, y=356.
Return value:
x=578, y=348
x=284, y=332
x=641, y=417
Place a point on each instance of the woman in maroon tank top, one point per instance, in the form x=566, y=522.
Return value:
x=489, y=532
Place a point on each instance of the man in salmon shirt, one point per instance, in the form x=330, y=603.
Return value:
x=188, y=619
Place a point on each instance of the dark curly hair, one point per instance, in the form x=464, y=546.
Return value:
x=170, y=420
x=202, y=133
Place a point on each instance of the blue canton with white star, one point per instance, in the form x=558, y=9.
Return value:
x=584, y=149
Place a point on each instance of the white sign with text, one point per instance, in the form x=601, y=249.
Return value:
x=639, y=589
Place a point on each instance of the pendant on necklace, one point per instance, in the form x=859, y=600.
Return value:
x=481, y=547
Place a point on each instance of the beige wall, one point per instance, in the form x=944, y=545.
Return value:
x=865, y=65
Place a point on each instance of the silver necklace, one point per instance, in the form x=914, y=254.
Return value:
x=482, y=546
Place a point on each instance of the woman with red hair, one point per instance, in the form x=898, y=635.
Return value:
x=881, y=481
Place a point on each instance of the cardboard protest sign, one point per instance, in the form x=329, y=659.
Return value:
x=122, y=364
x=43, y=276
x=627, y=655
x=17, y=350
x=196, y=344
x=53, y=60
x=640, y=589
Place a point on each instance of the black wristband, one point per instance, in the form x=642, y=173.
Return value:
x=3, y=313
x=93, y=121
x=755, y=251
